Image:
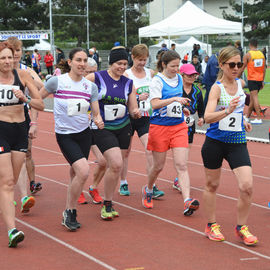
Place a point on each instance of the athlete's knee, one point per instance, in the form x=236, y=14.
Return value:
x=116, y=166
x=211, y=186
x=246, y=189
x=7, y=183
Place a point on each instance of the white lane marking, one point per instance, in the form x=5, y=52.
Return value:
x=168, y=221
x=89, y=257
x=249, y=259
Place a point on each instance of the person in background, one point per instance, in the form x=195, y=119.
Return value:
x=254, y=61
x=60, y=55
x=204, y=64
x=237, y=45
x=173, y=47
x=48, y=60
x=197, y=65
x=163, y=48
x=27, y=59
x=210, y=75
x=185, y=60
x=35, y=61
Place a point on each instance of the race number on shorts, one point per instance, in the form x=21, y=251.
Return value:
x=145, y=105
x=7, y=95
x=77, y=106
x=189, y=120
x=258, y=62
x=232, y=122
x=174, y=110
x=114, y=111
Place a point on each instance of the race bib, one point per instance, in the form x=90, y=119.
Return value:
x=174, y=110
x=189, y=120
x=145, y=105
x=7, y=95
x=232, y=122
x=258, y=62
x=114, y=111
x=77, y=106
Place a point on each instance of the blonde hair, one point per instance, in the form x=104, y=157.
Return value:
x=140, y=50
x=15, y=42
x=224, y=55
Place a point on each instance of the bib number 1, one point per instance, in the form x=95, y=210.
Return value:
x=77, y=106
x=232, y=122
x=145, y=105
x=174, y=110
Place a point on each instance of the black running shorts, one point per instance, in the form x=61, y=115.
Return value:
x=106, y=139
x=214, y=151
x=254, y=85
x=75, y=146
x=141, y=125
x=13, y=137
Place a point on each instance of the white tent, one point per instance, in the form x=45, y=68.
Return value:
x=41, y=46
x=182, y=48
x=190, y=20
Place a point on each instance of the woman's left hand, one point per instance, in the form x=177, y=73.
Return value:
x=248, y=126
x=186, y=112
x=200, y=122
x=99, y=122
x=20, y=95
x=136, y=113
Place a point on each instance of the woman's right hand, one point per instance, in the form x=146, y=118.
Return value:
x=233, y=104
x=183, y=101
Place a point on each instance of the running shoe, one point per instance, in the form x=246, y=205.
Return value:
x=106, y=211
x=15, y=237
x=27, y=203
x=93, y=192
x=213, y=232
x=246, y=236
x=176, y=184
x=147, y=201
x=123, y=190
x=157, y=193
x=190, y=206
x=35, y=187
x=256, y=121
x=69, y=220
x=269, y=204
x=82, y=199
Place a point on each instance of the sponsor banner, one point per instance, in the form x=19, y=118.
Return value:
x=28, y=36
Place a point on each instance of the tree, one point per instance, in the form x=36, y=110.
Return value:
x=256, y=17
x=17, y=15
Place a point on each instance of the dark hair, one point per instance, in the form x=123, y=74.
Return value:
x=74, y=51
x=166, y=57
x=253, y=42
x=4, y=45
x=195, y=56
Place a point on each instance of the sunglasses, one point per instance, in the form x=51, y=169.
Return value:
x=232, y=64
x=191, y=75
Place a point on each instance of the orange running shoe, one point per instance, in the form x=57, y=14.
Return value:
x=27, y=203
x=82, y=199
x=246, y=236
x=147, y=201
x=95, y=195
x=190, y=206
x=213, y=232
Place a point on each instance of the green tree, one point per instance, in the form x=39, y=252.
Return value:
x=23, y=15
x=256, y=17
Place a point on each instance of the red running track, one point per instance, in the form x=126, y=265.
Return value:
x=159, y=238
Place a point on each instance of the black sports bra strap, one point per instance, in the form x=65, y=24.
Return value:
x=17, y=80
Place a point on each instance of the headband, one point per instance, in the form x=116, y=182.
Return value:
x=118, y=54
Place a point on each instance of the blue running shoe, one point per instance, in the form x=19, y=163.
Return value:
x=123, y=190
x=157, y=193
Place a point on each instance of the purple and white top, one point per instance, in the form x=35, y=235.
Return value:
x=71, y=102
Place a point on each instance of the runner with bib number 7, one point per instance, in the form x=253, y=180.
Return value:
x=226, y=139
x=168, y=129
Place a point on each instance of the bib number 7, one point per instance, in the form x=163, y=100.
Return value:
x=114, y=111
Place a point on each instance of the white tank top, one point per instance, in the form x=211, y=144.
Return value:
x=142, y=86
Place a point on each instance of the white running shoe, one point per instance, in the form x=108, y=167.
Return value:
x=256, y=121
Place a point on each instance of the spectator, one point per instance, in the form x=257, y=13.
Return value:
x=237, y=45
x=198, y=67
x=185, y=60
x=204, y=63
x=194, y=51
x=173, y=47
x=60, y=55
x=48, y=59
x=27, y=59
x=35, y=61
x=210, y=75
x=163, y=48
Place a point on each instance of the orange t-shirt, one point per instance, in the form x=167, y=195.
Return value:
x=255, y=66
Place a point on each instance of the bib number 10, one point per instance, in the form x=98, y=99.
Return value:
x=7, y=95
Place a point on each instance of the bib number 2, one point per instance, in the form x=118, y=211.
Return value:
x=174, y=110
x=232, y=122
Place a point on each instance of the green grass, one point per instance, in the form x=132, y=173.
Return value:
x=264, y=95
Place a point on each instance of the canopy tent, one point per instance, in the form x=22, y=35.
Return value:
x=182, y=48
x=41, y=46
x=190, y=20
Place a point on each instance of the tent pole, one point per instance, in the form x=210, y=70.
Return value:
x=207, y=41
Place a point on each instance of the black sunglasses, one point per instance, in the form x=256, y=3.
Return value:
x=232, y=64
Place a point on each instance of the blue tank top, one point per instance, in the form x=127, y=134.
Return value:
x=229, y=133
x=113, y=99
x=159, y=116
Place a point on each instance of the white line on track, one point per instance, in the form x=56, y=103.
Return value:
x=66, y=245
x=249, y=259
x=169, y=222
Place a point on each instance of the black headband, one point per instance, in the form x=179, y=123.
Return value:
x=118, y=54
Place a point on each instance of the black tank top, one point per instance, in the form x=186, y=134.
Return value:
x=17, y=82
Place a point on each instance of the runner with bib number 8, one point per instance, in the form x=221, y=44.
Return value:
x=226, y=139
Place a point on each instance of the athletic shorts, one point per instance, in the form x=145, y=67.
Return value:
x=214, y=151
x=13, y=137
x=106, y=139
x=141, y=125
x=191, y=132
x=75, y=146
x=254, y=85
x=162, y=138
